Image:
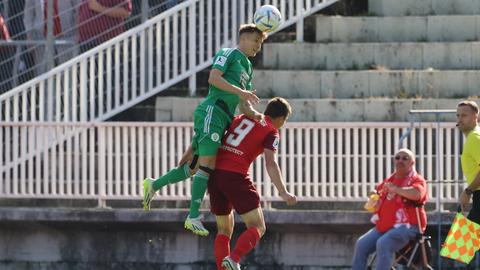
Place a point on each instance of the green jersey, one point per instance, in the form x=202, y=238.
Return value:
x=471, y=155
x=237, y=70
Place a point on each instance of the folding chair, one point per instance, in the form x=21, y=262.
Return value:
x=415, y=255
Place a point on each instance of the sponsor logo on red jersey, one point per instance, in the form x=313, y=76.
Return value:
x=244, y=141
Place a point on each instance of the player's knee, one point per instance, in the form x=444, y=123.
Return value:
x=224, y=229
x=261, y=228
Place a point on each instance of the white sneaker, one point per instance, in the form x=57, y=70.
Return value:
x=148, y=193
x=195, y=225
x=229, y=264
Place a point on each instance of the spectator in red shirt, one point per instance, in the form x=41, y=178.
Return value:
x=395, y=215
x=230, y=185
x=101, y=20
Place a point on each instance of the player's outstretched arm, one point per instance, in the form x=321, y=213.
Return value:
x=215, y=78
x=273, y=171
x=247, y=109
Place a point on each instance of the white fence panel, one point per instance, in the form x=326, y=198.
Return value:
x=320, y=161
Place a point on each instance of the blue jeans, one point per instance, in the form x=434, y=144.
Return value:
x=386, y=244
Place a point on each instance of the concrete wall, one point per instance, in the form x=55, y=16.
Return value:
x=322, y=110
x=49, y=238
x=357, y=56
x=398, y=29
x=365, y=84
x=423, y=7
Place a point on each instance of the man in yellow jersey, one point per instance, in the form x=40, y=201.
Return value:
x=230, y=84
x=467, y=122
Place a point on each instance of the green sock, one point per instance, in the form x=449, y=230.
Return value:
x=199, y=187
x=173, y=176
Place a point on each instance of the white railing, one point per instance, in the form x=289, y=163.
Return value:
x=141, y=62
x=320, y=161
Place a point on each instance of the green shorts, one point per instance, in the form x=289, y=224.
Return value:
x=210, y=123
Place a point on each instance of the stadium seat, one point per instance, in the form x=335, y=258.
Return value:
x=415, y=255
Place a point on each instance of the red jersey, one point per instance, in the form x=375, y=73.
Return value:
x=395, y=210
x=244, y=141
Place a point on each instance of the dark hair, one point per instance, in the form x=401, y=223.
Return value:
x=469, y=103
x=278, y=107
x=251, y=28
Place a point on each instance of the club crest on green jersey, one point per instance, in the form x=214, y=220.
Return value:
x=215, y=137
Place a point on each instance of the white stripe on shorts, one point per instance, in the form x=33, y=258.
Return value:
x=208, y=119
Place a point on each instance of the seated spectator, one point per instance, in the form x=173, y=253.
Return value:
x=101, y=20
x=395, y=216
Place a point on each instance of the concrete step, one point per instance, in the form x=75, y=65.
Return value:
x=360, y=84
x=324, y=110
x=445, y=28
x=358, y=56
x=422, y=7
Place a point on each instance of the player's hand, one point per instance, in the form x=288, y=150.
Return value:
x=187, y=157
x=260, y=117
x=94, y=5
x=464, y=200
x=289, y=198
x=390, y=187
x=250, y=96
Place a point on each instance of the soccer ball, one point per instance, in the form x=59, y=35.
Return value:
x=267, y=18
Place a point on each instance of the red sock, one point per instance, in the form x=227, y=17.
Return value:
x=221, y=249
x=246, y=242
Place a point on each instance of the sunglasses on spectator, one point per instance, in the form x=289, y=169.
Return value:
x=404, y=158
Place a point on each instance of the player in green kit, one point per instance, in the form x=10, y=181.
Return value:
x=230, y=84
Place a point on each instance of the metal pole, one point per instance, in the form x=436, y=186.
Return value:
x=192, y=80
x=144, y=10
x=300, y=21
x=16, y=64
x=408, y=132
x=439, y=206
x=6, y=10
x=49, y=46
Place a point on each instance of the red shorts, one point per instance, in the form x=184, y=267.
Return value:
x=231, y=190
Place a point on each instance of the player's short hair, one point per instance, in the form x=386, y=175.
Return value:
x=251, y=28
x=469, y=103
x=278, y=107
